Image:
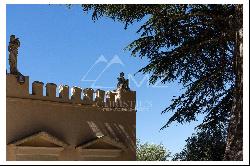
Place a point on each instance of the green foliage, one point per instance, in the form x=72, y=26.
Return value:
x=151, y=152
x=203, y=146
x=193, y=44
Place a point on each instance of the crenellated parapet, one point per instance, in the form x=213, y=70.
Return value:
x=46, y=121
x=118, y=98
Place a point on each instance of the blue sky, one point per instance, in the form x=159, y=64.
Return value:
x=60, y=45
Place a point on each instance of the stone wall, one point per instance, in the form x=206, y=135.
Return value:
x=75, y=118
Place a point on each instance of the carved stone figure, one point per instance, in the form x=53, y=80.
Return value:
x=14, y=44
x=13, y=52
x=123, y=84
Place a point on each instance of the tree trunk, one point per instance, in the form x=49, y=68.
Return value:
x=234, y=147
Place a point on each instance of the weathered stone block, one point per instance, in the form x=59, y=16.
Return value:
x=37, y=88
x=64, y=92
x=100, y=95
x=110, y=99
x=88, y=94
x=126, y=99
x=16, y=89
x=76, y=94
x=51, y=90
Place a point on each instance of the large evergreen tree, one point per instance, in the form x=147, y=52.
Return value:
x=198, y=45
x=202, y=146
x=207, y=144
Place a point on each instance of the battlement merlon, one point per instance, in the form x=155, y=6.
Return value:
x=14, y=88
x=118, y=98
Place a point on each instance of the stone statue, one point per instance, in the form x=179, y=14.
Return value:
x=13, y=52
x=123, y=84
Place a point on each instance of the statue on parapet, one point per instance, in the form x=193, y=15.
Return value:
x=123, y=84
x=14, y=44
x=13, y=53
